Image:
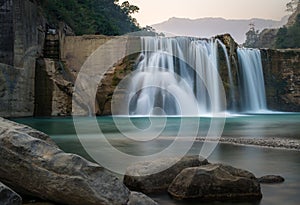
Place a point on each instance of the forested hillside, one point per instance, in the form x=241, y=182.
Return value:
x=289, y=37
x=106, y=17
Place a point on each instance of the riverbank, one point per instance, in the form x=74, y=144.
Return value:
x=269, y=142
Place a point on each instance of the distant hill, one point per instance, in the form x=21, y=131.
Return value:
x=208, y=27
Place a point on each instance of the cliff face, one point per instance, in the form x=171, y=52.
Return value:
x=6, y=22
x=53, y=88
x=22, y=38
x=55, y=79
x=282, y=79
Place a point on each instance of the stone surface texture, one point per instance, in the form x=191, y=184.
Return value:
x=139, y=176
x=215, y=182
x=35, y=167
x=8, y=196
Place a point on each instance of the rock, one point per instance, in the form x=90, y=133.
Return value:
x=215, y=182
x=138, y=177
x=270, y=179
x=54, y=87
x=20, y=46
x=7, y=126
x=35, y=167
x=40, y=203
x=137, y=198
x=237, y=172
x=282, y=77
x=8, y=196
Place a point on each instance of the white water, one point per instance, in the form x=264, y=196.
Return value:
x=252, y=86
x=180, y=76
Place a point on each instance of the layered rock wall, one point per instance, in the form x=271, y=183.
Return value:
x=6, y=22
x=53, y=88
x=282, y=79
x=76, y=49
x=20, y=43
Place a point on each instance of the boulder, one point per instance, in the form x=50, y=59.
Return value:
x=270, y=179
x=35, y=167
x=139, y=177
x=8, y=196
x=7, y=126
x=215, y=182
x=137, y=198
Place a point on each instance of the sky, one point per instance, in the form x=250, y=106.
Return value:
x=157, y=11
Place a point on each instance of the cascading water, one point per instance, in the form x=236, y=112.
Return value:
x=252, y=86
x=177, y=76
x=180, y=76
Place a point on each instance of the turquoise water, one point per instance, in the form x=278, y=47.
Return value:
x=279, y=125
x=261, y=161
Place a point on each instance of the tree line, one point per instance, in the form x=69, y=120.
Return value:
x=289, y=37
x=107, y=17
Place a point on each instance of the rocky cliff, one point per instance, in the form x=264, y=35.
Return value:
x=53, y=88
x=38, y=69
x=55, y=78
x=282, y=79
x=22, y=37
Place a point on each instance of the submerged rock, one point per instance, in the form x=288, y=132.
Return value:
x=8, y=196
x=270, y=179
x=139, y=177
x=137, y=198
x=35, y=167
x=215, y=182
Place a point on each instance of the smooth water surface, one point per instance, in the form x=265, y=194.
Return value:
x=261, y=161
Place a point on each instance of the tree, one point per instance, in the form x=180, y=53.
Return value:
x=92, y=16
x=128, y=8
x=292, y=6
x=289, y=37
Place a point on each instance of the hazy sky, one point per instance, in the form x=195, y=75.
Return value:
x=156, y=11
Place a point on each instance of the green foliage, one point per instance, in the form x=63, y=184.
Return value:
x=128, y=8
x=289, y=37
x=92, y=16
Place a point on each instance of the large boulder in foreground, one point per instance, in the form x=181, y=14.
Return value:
x=215, y=182
x=6, y=126
x=139, y=177
x=36, y=167
x=8, y=196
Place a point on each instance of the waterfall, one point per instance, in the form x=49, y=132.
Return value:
x=180, y=76
x=252, y=89
x=177, y=76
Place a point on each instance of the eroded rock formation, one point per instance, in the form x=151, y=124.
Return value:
x=282, y=79
x=21, y=42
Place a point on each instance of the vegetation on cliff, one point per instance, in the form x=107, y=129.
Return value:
x=289, y=37
x=106, y=17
